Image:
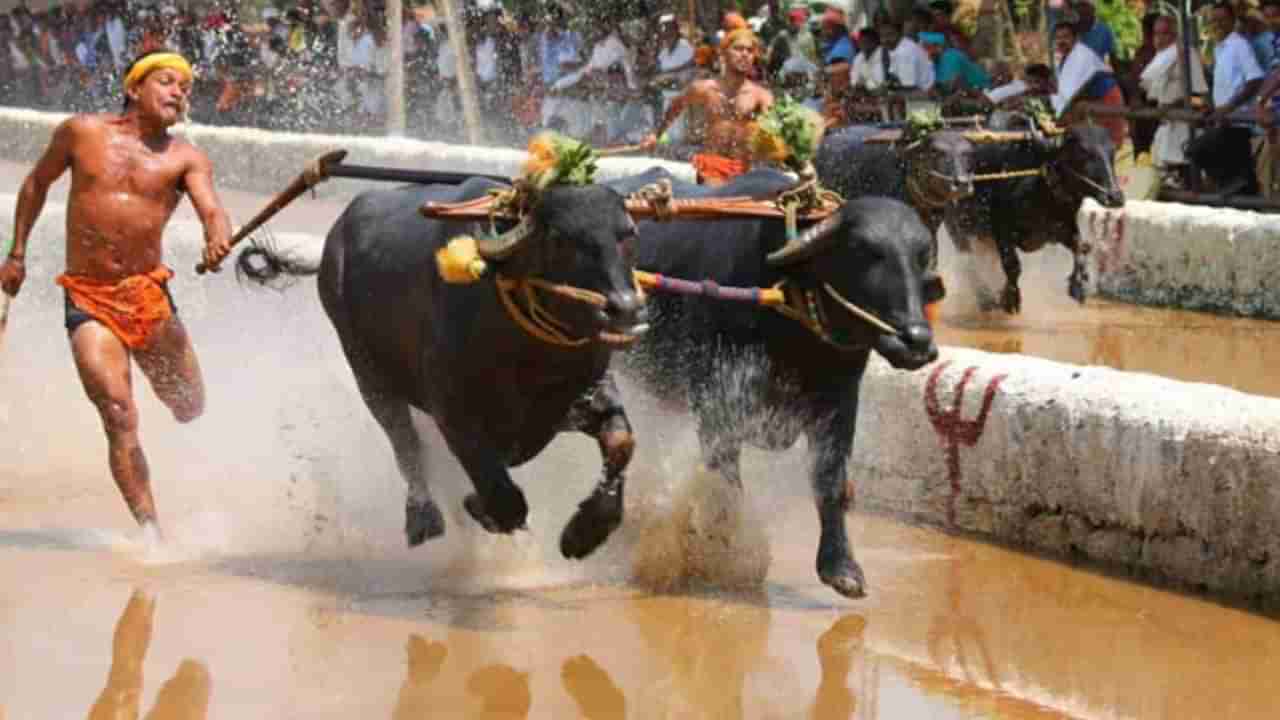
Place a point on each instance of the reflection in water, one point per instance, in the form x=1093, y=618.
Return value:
x=955, y=635
x=424, y=662
x=1189, y=346
x=597, y=696
x=711, y=645
x=504, y=693
x=838, y=649
x=184, y=697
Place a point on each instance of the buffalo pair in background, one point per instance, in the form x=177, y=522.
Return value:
x=955, y=182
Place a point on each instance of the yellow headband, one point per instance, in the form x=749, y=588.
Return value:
x=172, y=61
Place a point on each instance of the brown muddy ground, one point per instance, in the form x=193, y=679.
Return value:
x=285, y=589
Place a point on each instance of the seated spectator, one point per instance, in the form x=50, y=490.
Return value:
x=1036, y=83
x=1164, y=81
x=1083, y=77
x=1091, y=31
x=941, y=11
x=954, y=72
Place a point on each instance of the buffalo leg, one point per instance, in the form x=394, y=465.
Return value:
x=831, y=442
x=1012, y=296
x=497, y=503
x=721, y=451
x=601, y=415
x=422, y=517
x=1079, y=276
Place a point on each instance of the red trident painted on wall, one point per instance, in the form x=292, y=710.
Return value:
x=952, y=428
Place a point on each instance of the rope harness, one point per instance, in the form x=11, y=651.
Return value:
x=520, y=297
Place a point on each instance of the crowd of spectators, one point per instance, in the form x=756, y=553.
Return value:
x=319, y=65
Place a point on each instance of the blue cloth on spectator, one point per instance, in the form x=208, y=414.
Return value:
x=1100, y=39
x=841, y=50
x=1264, y=46
x=553, y=52
x=953, y=64
x=1099, y=86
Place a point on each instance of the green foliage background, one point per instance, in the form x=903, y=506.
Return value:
x=1124, y=23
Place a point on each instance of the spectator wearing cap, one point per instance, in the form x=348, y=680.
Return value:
x=954, y=71
x=837, y=51
x=1094, y=33
x=861, y=76
x=1083, y=77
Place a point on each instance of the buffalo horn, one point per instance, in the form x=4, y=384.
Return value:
x=501, y=246
x=807, y=243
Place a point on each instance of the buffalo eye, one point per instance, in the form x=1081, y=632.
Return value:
x=933, y=290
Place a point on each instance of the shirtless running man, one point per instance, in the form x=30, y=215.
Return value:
x=730, y=105
x=127, y=177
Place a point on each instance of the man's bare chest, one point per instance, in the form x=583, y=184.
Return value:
x=129, y=167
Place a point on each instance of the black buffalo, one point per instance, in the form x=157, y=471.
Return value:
x=1026, y=213
x=930, y=174
x=874, y=253
x=498, y=394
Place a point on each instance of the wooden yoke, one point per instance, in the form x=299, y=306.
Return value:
x=683, y=208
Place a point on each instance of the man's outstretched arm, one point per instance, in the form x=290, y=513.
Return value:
x=217, y=225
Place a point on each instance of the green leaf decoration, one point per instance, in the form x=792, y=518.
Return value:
x=788, y=133
x=922, y=122
x=555, y=159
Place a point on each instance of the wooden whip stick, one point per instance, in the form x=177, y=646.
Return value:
x=316, y=173
x=4, y=313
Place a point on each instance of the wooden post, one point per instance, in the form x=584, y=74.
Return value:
x=466, y=76
x=395, y=68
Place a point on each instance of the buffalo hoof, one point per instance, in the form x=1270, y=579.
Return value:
x=843, y=575
x=597, y=517
x=499, y=517
x=422, y=522
x=1075, y=288
x=1011, y=300
x=986, y=299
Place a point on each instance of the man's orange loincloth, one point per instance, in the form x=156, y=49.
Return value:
x=717, y=169
x=132, y=308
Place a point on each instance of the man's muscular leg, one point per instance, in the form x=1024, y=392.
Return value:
x=103, y=362
x=169, y=362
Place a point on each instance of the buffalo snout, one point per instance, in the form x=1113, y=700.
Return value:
x=911, y=348
x=626, y=312
x=1113, y=199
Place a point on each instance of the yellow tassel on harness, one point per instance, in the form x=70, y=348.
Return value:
x=459, y=262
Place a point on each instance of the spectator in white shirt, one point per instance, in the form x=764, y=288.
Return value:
x=900, y=62
x=675, y=64
x=1226, y=153
x=1163, y=80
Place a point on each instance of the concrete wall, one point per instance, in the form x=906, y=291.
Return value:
x=1166, y=479
x=261, y=161
x=1184, y=256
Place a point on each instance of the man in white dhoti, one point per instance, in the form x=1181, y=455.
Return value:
x=1163, y=81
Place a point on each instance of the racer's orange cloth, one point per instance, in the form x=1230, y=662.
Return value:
x=717, y=169
x=132, y=308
